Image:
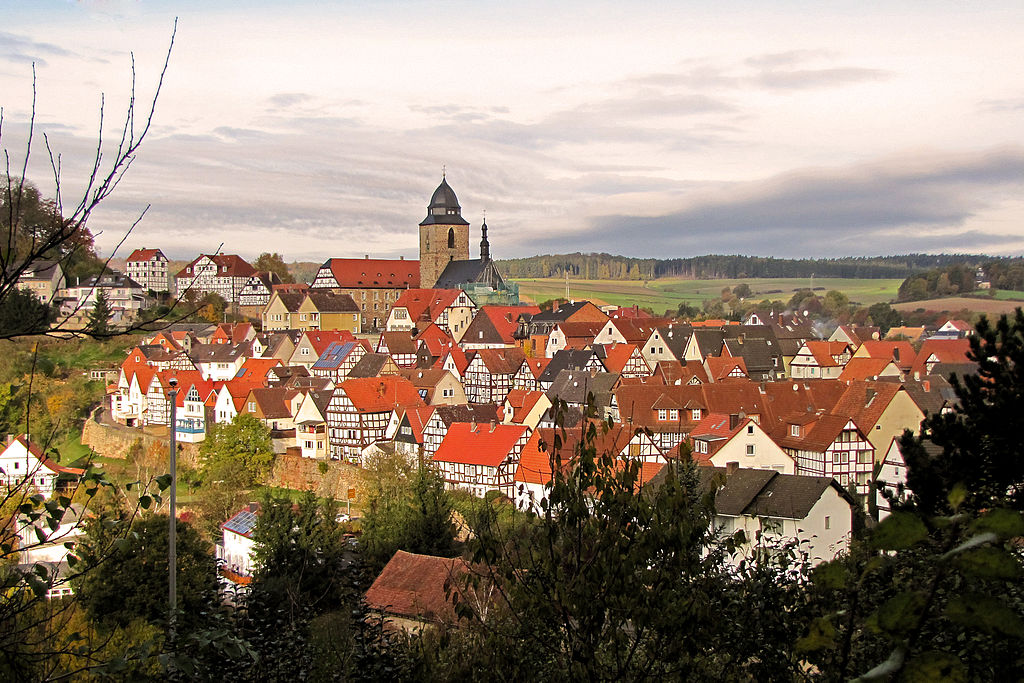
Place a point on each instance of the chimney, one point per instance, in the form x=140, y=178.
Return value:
x=734, y=420
x=367, y=256
x=731, y=468
x=401, y=258
x=492, y=426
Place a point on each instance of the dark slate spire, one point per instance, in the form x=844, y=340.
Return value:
x=444, y=207
x=485, y=248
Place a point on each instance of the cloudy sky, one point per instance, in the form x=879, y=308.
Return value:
x=645, y=129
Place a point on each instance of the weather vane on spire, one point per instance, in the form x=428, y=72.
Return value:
x=444, y=171
x=485, y=215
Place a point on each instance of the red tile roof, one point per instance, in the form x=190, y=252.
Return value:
x=363, y=273
x=143, y=254
x=426, y=302
x=413, y=586
x=522, y=402
x=865, y=368
x=502, y=361
x=505, y=318
x=434, y=338
x=380, y=394
x=44, y=459
x=418, y=418
x=720, y=368
x=536, y=365
x=321, y=339
x=944, y=350
x=864, y=402
x=617, y=355
x=899, y=351
x=236, y=266
x=479, y=444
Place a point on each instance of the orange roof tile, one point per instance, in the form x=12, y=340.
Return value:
x=479, y=444
x=362, y=273
x=380, y=394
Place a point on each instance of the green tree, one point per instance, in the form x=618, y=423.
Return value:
x=131, y=582
x=981, y=449
x=407, y=509
x=22, y=313
x=99, y=316
x=742, y=291
x=274, y=263
x=835, y=303
x=609, y=582
x=884, y=316
x=305, y=581
x=242, y=446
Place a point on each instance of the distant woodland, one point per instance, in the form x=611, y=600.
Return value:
x=714, y=266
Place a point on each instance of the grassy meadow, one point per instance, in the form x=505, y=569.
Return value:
x=667, y=293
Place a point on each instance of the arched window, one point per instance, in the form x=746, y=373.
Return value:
x=451, y=238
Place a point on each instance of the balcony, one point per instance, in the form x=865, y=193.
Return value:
x=190, y=426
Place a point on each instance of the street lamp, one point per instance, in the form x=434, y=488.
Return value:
x=172, y=551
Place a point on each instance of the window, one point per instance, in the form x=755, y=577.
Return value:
x=673, y=415
x=750, y=449
x=252, y=406
x=828, y=522
x=794, y=430
x=451, y=238
x=695, y=414
x=305, y=351
x=662, y=415
x=840, y=457
x=864, y=457
x=750, y=429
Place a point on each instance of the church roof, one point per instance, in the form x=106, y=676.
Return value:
x=444, y=207
x=458, y=273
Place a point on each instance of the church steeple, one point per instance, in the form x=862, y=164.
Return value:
x=485, y=247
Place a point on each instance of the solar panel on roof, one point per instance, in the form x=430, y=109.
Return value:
x=242, y=523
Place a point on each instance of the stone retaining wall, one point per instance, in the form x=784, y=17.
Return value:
x=116, y=441
x=326, y=478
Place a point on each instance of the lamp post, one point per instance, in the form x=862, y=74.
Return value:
x=172, y=550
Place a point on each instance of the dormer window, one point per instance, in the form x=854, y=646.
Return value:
x=794, y=430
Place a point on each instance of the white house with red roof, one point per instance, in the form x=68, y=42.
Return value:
x=481, y=457
x=149, y=268
x=450, y=309
x=24, y=464
x=720, y=439
x=194, y=396
x=223, y=274
x=488, y=378
x=525, y=407
x=361, y=409
x=374, y=284
x=820, y=360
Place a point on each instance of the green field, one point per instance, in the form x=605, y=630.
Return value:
x=1007, y=295
x=667, y=293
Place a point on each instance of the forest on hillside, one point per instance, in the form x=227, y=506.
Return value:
x=714, y=266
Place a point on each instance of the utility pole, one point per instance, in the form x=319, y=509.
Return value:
x=172, y=550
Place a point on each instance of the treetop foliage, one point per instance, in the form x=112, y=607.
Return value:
x=715, y=266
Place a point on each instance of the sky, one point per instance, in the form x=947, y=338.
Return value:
x=655, y=129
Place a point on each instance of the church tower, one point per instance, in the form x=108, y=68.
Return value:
x=444, y=235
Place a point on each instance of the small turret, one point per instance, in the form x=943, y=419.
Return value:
x=485, y=247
